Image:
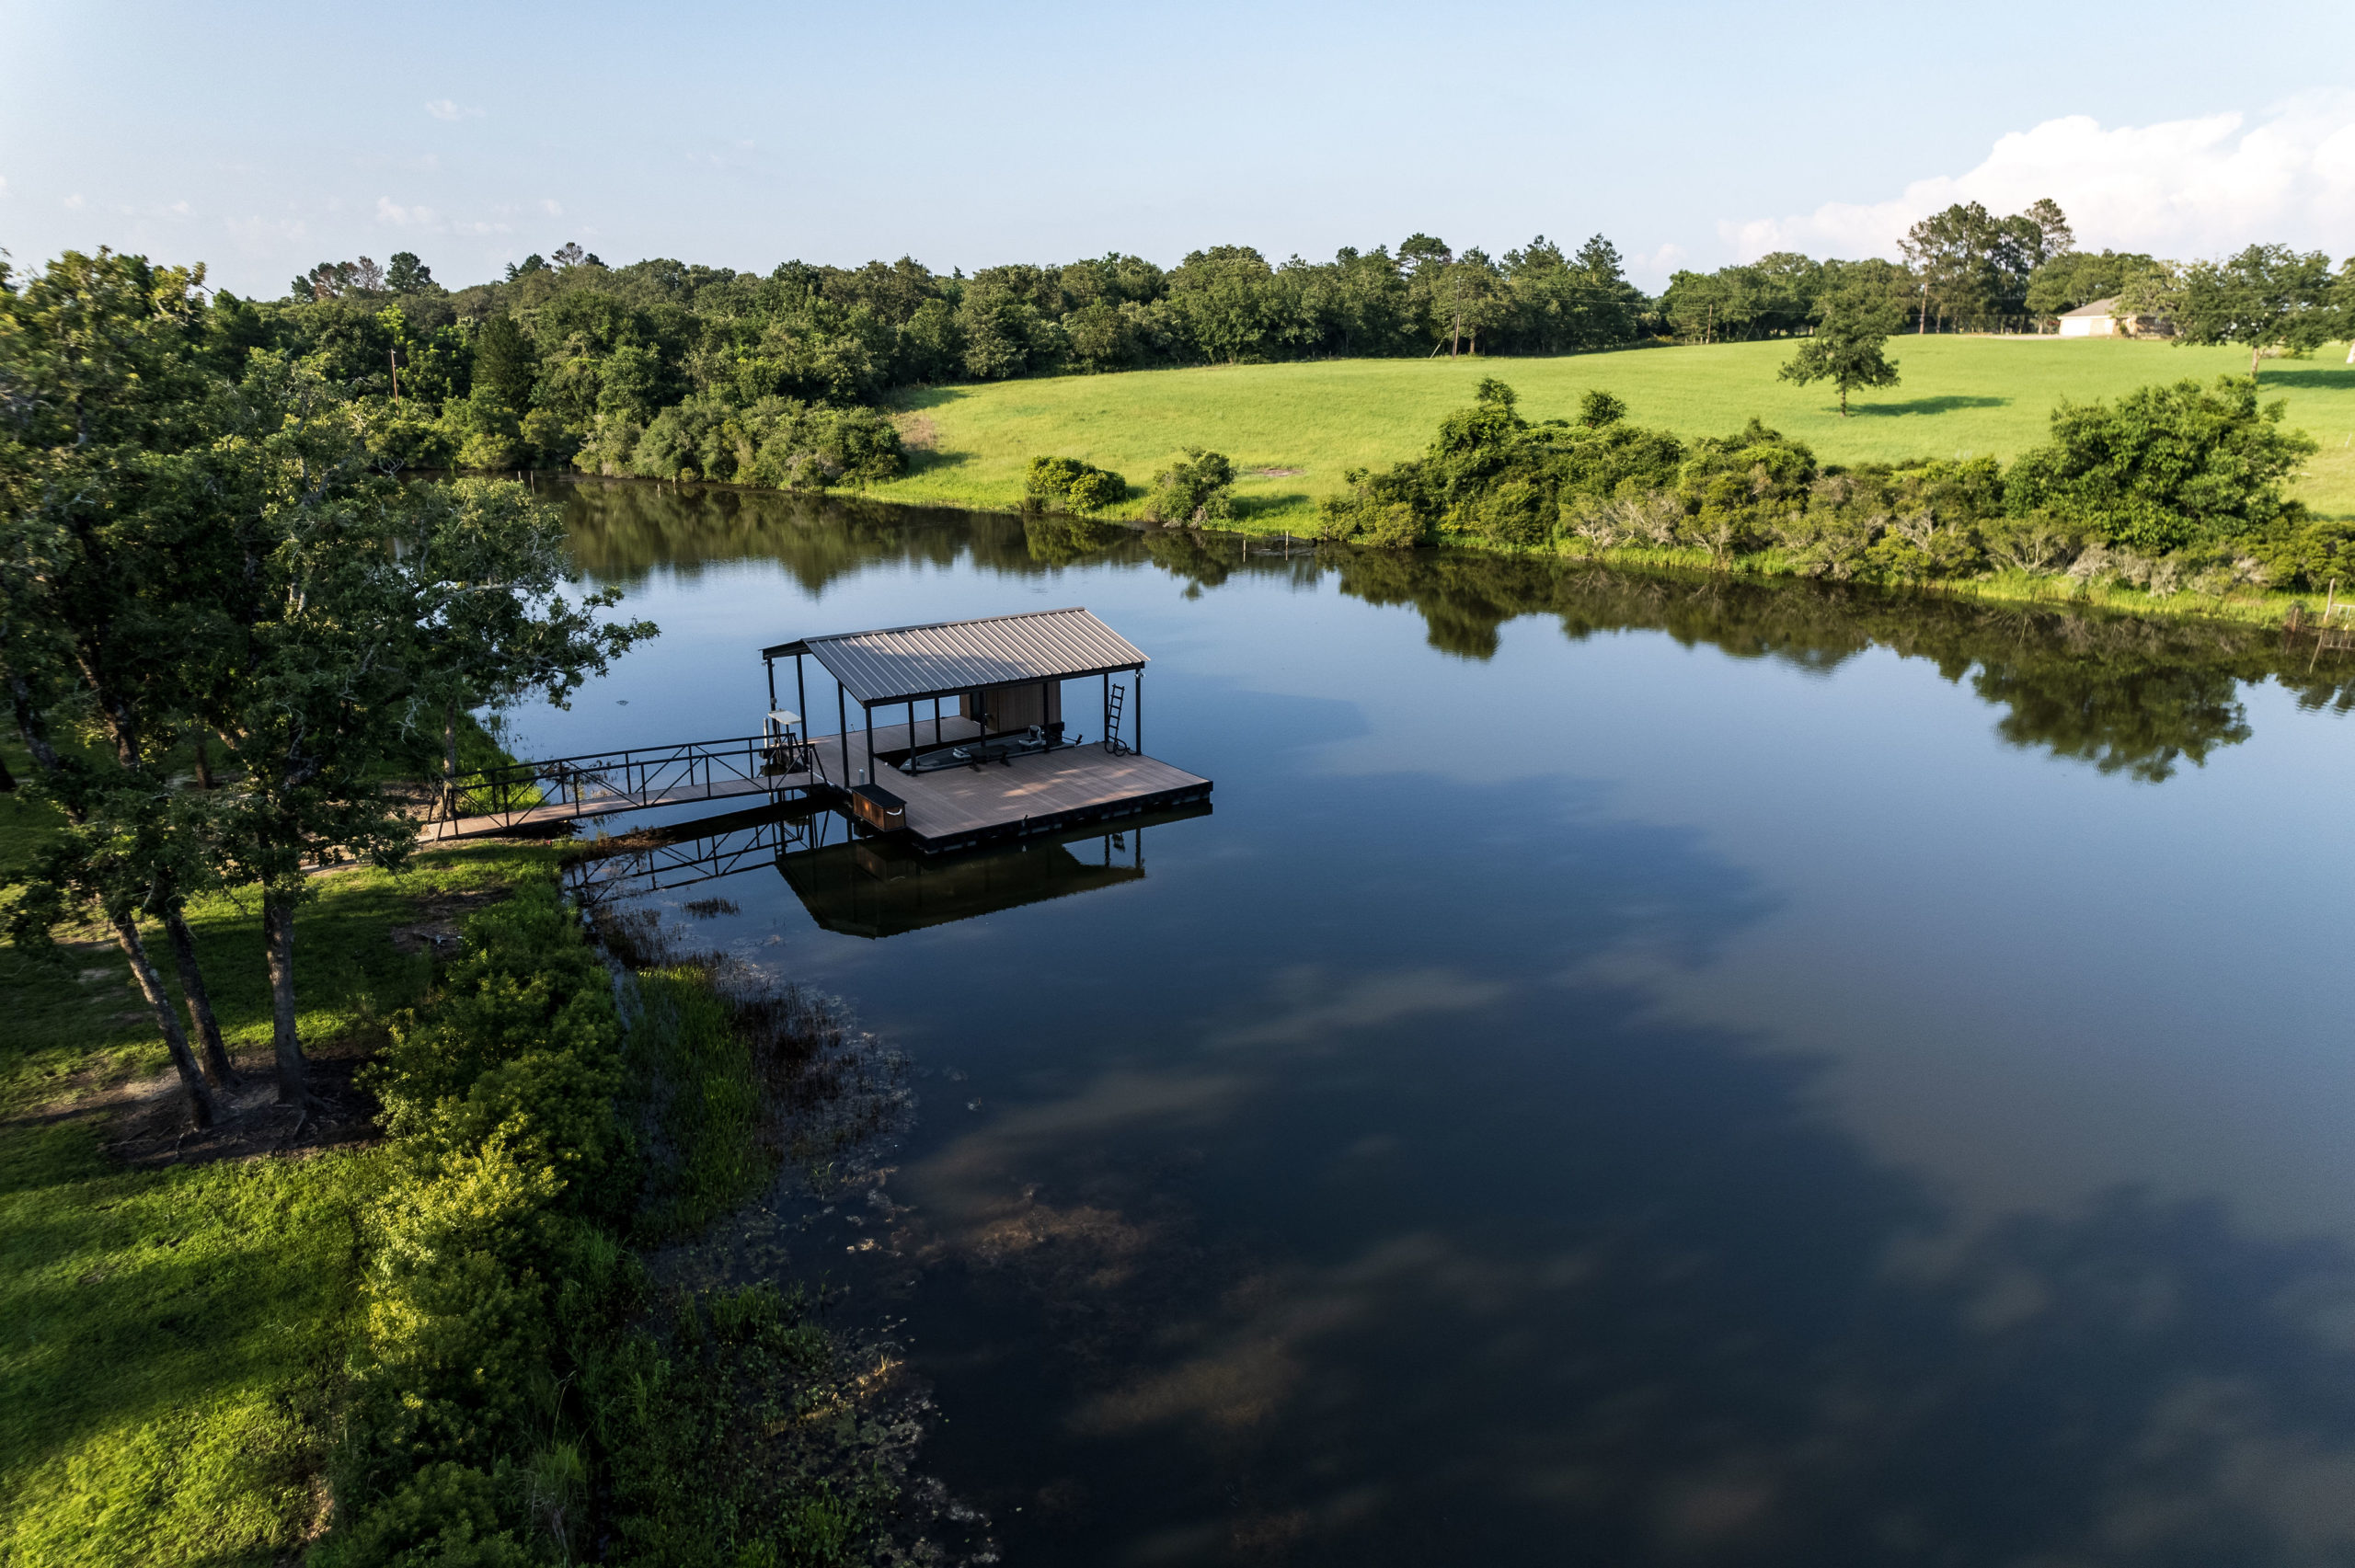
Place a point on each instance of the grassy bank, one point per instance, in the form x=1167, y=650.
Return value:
x=269, y=1341
x=171, y=1332
x=1294, y=428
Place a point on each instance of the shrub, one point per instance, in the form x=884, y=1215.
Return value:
x=1598, y=408
x=1196, y=487
x=484, y=1257
x=1066, y=481
x=2166, y=468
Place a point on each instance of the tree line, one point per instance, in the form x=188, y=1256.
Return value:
x=1966, y=270
x=664, y=368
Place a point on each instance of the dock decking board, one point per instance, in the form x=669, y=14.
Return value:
x=949, y=807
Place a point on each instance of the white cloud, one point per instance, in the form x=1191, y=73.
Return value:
x=2182, y=188
x=1657, y=266
x=74, y=201
x=448, y=108
x=400, y=217
x=552, y=208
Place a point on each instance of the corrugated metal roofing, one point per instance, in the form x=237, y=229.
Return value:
x=2099, y=307
x=901, y=663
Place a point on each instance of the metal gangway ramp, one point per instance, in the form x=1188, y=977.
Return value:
x=563, y=789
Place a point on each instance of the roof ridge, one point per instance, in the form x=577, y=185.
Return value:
x=935, y=625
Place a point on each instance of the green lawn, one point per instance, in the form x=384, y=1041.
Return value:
x=169, y=1337
x=1984, y=396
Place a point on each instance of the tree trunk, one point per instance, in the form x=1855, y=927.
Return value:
x=2253, y=349
x=200, y=1001
x=7, y=779
x=200, y=1107
x=203, y=761
x=450, y=762
x=1844, y=399
x=278, y=933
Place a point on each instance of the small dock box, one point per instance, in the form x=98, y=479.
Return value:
x=879, y=807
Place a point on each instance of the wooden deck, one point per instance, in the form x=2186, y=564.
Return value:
x=956, y=807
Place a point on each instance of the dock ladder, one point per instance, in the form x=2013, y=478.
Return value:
x=1113, y=698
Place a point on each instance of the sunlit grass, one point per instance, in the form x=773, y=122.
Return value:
x=1976, y=395
x=168, y=1337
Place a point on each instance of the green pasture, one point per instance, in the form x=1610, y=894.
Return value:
x=1977, y=395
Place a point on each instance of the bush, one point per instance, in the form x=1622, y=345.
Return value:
x=1196, y=487
x=2166, y=468
x=1066, y=481
x=485, y=1260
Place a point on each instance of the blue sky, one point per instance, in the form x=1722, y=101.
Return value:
x=263, y=138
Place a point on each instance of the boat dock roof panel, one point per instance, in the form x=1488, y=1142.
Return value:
x=903, y=662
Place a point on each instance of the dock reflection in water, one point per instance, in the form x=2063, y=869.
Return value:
x=861, y=886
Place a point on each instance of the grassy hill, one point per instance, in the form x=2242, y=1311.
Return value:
x=1294, y=428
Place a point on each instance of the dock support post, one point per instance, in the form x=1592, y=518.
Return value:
x=1140, y=710
x=842, y=730
x=936, y=721
x=1104, y=731
x=770, y=665
x=869, y=708
x=801, y=697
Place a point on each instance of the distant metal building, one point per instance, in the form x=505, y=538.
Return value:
x=2102, y=319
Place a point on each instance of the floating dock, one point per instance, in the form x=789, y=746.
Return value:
x=1040, y=792
x=992, y=760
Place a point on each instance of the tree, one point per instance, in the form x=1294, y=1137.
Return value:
x=1851, y=326
x=2079, y=278
x=2269, y=296
x=406, y=275
x=108, y=615
x=506, y=364
x=487, y=565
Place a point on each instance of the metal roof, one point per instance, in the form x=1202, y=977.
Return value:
x=901, y=662
x=2098, y=307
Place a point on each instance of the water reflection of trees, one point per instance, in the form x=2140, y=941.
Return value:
x=2122, y=693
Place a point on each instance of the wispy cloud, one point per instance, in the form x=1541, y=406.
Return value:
x=449, y=108
x=552, y=207
x=2181, y=188
x=400, y=217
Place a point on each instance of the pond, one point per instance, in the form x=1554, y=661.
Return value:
x=1630, y=1069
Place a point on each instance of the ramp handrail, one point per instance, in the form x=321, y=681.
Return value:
x=620, y=780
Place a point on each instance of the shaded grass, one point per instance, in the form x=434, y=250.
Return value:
x=169, y=1337
x=1959, y=395
x=708, y=1120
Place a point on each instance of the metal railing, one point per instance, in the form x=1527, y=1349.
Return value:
x=628, y=780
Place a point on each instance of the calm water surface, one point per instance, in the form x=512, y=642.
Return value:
x=1630, y=1071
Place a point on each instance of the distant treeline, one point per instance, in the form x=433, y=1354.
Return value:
x=664, y=369
x=660, y=367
